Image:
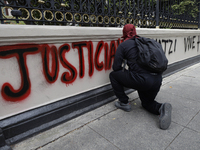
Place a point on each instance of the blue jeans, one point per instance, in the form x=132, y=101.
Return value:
x=147, y=85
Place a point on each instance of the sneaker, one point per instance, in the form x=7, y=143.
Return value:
x=125, y=107
x=165, y=116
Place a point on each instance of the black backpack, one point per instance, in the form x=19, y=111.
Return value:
x=151, y=56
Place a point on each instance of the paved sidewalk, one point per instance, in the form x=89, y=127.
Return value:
x=108, y=128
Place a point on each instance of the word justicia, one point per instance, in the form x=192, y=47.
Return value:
x=58, y=57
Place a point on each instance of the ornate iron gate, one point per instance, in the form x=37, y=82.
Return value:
x=107, y=13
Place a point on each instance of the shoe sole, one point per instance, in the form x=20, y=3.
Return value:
x=117, y=104
x=165, y=121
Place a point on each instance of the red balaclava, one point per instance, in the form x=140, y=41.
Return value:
x=129, y=31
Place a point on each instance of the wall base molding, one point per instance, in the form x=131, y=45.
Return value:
x=29, y=123
x=178, y=66
x=3, y=144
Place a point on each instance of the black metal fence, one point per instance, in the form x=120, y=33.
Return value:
x=109, y=13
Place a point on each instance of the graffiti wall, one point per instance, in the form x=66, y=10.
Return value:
x=180, y=48
x=33, y=74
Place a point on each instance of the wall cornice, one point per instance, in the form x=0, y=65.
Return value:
x=60, y=34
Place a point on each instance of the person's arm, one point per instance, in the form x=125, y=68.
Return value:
x=119, y=57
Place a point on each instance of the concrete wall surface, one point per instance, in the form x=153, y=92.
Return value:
x=40, y=65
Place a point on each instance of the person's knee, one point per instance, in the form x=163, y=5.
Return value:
x=146, y=106
x=143, y=105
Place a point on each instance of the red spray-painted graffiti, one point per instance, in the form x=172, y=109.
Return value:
x=52, y=76
x=66, y=77
x=20, y=51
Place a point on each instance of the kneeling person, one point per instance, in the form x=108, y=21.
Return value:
x=147, y=84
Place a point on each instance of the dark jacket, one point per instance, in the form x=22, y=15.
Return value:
x=127, y=50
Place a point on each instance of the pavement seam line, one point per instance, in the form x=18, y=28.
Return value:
x=192, y=130
x=191, y=120
x=175, y=94
x=170, y=80
x=188, y=76
x=184, y=127
x=74, y=130
x=181, y=72
x=103, y=137
x=175, y=137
